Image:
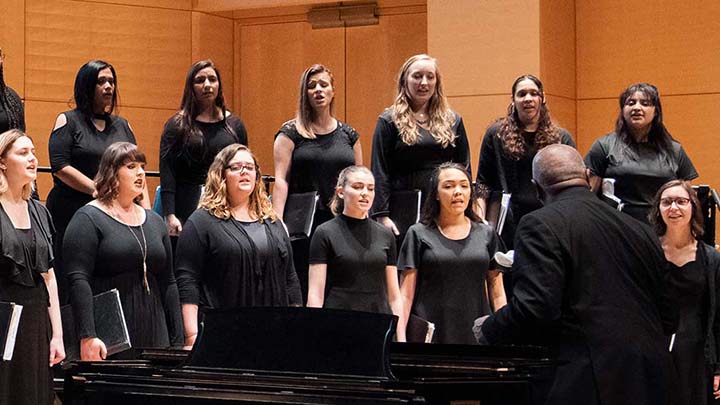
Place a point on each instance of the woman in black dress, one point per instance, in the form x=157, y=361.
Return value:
x=27, y=277
x=76, y=145
x=414, y=135
x=234, y=250
x=508, y=148
x=311, y=149
x=191, y=139
x=677, y=218
x=113, y=242
x=352, y=258
x=448, y=271
x=640, y=155
x=12, y=113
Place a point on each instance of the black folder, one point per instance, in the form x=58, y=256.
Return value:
x=9, y=321
x=299, y=214
x=405, y=209
x=419, y=330
x=110, y=325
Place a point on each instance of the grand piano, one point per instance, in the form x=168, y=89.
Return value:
x=311, y=356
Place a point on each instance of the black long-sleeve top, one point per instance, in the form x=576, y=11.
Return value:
x=399, y=166
x=100, y=253
x=218, y=265
x=184, y=164
x=4, y=119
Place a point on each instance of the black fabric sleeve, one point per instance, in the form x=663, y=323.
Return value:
x=492, y=247
x=566, y=138
x=380, y=166
x=597, y=158
x=487, y=174
x=21, y=109
x=190, y=259
x=320, y=246
x=353, y=135
x=294, y=292
x=169, y=288
x=168, y=139
x=392, y=255
x=686, y=169
x=60, y=145
x=462, y=147
x=713, y=270
x=239, y=127
x=409, y=256
x=539, y=278
x=79, y=254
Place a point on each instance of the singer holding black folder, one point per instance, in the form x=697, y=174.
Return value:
x=414, y=135
x=677, y=217
x=448, y=271
x=27, y=277
x=112, y=242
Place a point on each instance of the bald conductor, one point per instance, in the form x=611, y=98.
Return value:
x=591, y=284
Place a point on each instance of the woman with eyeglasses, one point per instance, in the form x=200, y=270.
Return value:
x=677, y=219
x=191, y=139
x=640, y=155
x=234, y=250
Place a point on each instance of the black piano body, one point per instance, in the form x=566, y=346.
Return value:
x=316, y=365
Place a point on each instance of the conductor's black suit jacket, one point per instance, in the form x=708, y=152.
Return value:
x=591, y=283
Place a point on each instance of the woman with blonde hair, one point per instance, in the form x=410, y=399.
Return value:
x=414, y=135
x=27, y=277
x=234, y=251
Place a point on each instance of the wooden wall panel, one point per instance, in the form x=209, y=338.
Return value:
x=375, y=54
x=557, y=47
x=12, y=41
x=595, y=118
x=212, y=38
x=669, y=43
x=563, y=113
x=150, y=49
x=171, y=4
x=40, y=119
x=484, y=45
x=272, y=59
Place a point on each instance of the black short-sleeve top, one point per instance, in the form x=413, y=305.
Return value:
x=639, y=170
x=317, y=162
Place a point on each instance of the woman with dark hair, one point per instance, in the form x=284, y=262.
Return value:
x=352, y=258
x=12, y=113
x=640, y=155
x=234, y=251
x=191, y=139
x=508, y=148
x=76, y=145
x=448, y=270
x=311, y=149
x=415, y=134
x=27, y=277
x=112, y=242
x=677, y=218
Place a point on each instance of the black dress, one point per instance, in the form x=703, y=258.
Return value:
x=689, y=347
x=184, y=165
x=398, y=166
x=316, y=163
x=219, y=264
x=518, y=174
x=80, y=145
x=451, y=274
x=26, y=253
x=102, y=253
x=357, y=252
x=639, y=170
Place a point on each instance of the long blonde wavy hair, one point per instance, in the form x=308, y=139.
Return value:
x=441, y=118
x=215, y=199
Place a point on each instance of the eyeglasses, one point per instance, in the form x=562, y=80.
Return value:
x=239, y=167
x=679, y=201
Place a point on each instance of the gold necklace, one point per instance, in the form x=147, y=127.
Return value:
x=143, y=248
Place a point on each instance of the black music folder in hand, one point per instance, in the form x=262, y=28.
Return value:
x=405, y=208
x=419, y=330
x=299, y=214
x=110, y=325
x=10, y=313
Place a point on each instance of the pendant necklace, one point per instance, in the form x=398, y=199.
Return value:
x=143, y=249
